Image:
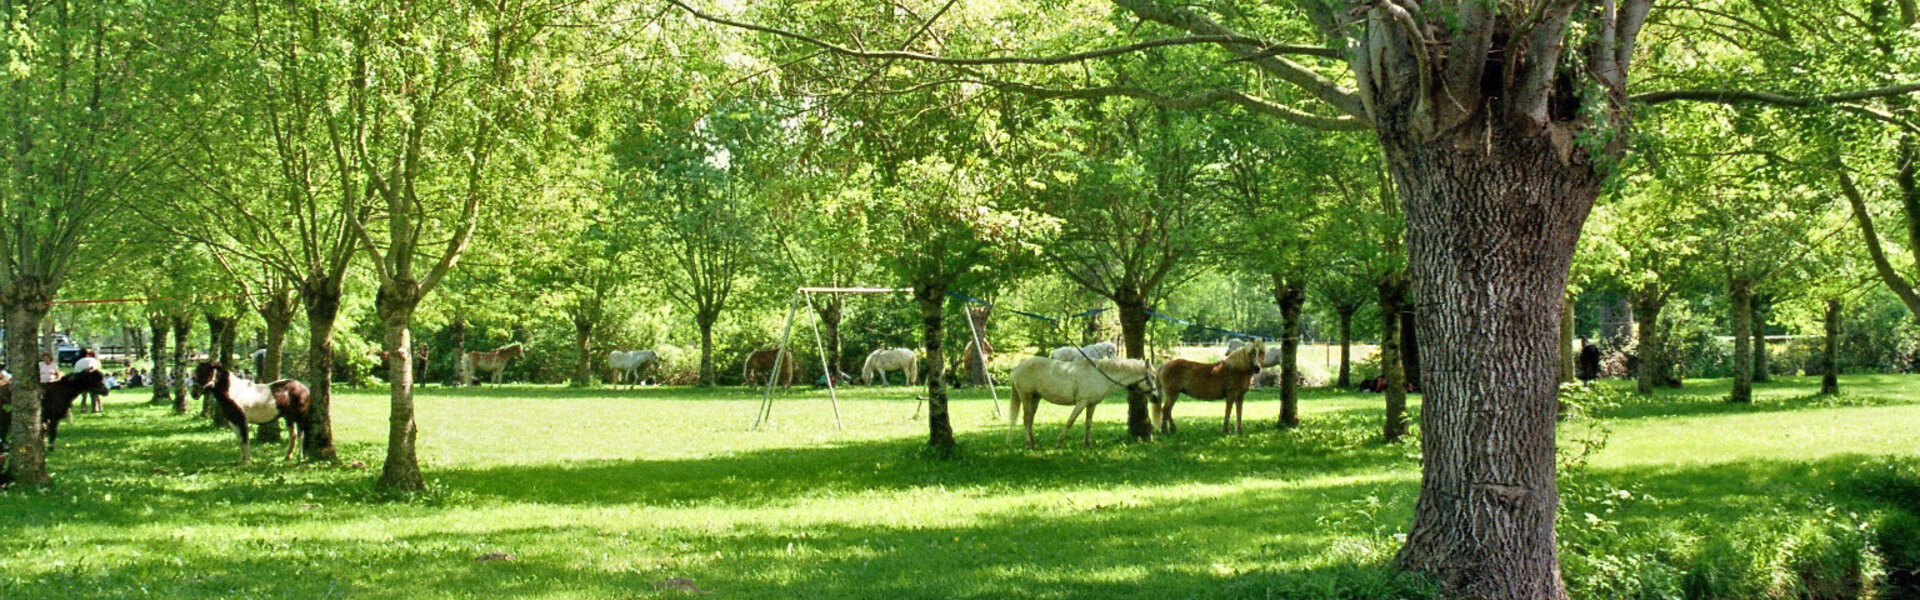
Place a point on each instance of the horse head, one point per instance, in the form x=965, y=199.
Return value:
x=1249, y=357
x=512, y=351
x=209, y=376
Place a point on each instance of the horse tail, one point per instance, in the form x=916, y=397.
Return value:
x=866, y=368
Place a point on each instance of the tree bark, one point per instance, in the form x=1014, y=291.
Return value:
x=1830, y=355
x=1492, y=219
x=830, y=313
x=278, y=321
x=322, y=302
x=25, y=308
x=401, y=470
x=583, y=347
x=1133, y=335
x=161, y=326
x=1393, y=293
x=705, y=322
x=932, y=298
x=1290, y=296
x=977, y=317
x=1741, y=294
x=1762, y=304
x=1567, y=325
x=182, y=329
x=1653, y=347
x=1345, y=380
x=1410, y=343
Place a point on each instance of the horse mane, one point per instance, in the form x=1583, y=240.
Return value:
x=1130, y=366
x=1243, y=357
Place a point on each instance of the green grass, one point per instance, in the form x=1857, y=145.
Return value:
x=607, y=493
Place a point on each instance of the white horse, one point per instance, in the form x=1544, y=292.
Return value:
x=627, y=364
x=1096, y=350
x=890, y=359
x=1235, y=344
x=1080, y=384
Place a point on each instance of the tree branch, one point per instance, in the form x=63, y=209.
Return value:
x=1260, y=46
x=1212, y=96
x=1753, y=97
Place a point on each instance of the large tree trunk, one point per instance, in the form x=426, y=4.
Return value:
x=830, y=313
x=27, y=458
x=1741, y=294
x=1762, y=304
x=1345, y=381
x=322, y=301
x=161, y=325
x=1133, y=334
x=401, y=470
x=1491, y=227
x=220, y=350
x=932, y=298
x=1290, y=296
x=182, y=329
x=278, y=314
x=705, y=321
x=1393, y=374
x=583, y=347
x=1567, y=352
x=1653, y=347
x=1830, y=354
x=458, y=331
x=976, y=358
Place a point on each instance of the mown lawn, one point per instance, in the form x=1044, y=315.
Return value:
x=612, y=493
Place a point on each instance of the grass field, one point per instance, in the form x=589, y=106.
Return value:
x=611, y=494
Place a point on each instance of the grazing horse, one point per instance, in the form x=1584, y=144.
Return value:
x=245, y=403
x=1227, y=379
x=1080, y=384
x=627, y=364
x=494, y=360
x=761, y=362
x=56, y=401
x=1096, y=350
x=890, y=359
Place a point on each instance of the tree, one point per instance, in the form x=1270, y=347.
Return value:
x=73, y=78
x=440, y=110
x=1646, y=246
x=1126, y=191
x=682, y=185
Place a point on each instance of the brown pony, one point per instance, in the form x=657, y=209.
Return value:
x=1227, y=379
x=761, y=362
x=495, y=361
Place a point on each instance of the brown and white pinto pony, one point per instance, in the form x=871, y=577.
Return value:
x=1225, y=380
x=494, y=360
x=760, y=363
x=245, y=403
x=56, y=402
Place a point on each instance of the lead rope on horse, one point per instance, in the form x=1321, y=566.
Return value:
x=1152, y=388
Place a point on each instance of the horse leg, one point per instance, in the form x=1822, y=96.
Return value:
x=53, y=432
x=1070, y=419
x=246, y=449
x=1240, y=413
x=293, y=434
x=1088, y=439
x=1226, y=421
x=1032, y=406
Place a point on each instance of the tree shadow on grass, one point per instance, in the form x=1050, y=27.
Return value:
x=1251, y=543
x=988, y=463
x=1677, y=404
